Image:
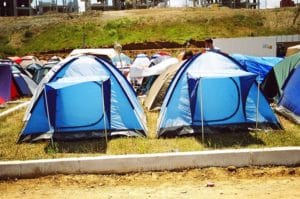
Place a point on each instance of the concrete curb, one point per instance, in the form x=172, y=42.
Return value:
x=285, y=156
x=16, y=108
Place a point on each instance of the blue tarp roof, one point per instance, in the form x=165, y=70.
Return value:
x=258, y=65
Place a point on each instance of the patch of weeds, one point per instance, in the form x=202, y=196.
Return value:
x=52, y=148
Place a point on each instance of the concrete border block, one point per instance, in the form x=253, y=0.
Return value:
x=9, y=169
x=45, y=167
x=287, y=156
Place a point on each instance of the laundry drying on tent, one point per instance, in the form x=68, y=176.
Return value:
x=141, y=61
x=83, y=97
x=152, y=72
x=14, y=83
x=260, y=66
x=211, y=91
x=282, y=85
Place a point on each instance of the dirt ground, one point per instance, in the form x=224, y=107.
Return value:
x=276, y=182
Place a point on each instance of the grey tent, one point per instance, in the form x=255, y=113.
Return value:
x=156, y=94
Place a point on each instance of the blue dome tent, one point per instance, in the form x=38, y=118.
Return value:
x=289, y=103
x=211, y=91
x=83, y=97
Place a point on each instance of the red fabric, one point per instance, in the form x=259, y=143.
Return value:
x=18, y=60
x=13, y=91
x=2, y=100
x=164, y=53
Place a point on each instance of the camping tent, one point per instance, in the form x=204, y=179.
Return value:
x=212, y=92
x=150, y=74
x=83, y=97
x=155, y=97
x=260, y=66
x=40, y=74
x=13, y=83
x=273, y=84
x=282, y=85
x=106, y=53
x=5, y=83
x=289, y=104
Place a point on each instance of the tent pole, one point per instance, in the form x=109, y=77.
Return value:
x=48, y=115
x=104, y=112
x=202, y=112
x=257, y=102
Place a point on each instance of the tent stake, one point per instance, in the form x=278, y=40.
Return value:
x=202, y=112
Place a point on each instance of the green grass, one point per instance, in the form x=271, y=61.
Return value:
x=11, y=126
x=56, y=32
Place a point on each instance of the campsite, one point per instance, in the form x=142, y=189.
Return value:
x=110, y=84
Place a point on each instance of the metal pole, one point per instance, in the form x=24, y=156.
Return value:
x=104, y=112
x=257, y=102
x=202, y=112
x=48, y=115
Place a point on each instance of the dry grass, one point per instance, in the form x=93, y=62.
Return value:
x=12, y=125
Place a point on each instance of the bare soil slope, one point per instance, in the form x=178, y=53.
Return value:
x=277, y=182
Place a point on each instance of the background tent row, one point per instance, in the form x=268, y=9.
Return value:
x=210, y=91
x=14, y=82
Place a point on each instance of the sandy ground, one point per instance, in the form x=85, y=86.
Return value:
x=277, y=182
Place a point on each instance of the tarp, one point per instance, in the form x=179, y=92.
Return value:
x=260, y=66
x=228, y=95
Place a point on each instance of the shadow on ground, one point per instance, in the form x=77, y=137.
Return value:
x=84, y=146
x=223, y=140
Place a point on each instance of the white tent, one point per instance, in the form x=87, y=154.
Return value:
x=110, y=52
x=154, y=70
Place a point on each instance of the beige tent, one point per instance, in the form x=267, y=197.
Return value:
x=292, y=50
x=156, y=94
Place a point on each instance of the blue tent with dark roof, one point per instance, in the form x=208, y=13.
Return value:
x=289, y=103
x=83, y=97
x=211, y=91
